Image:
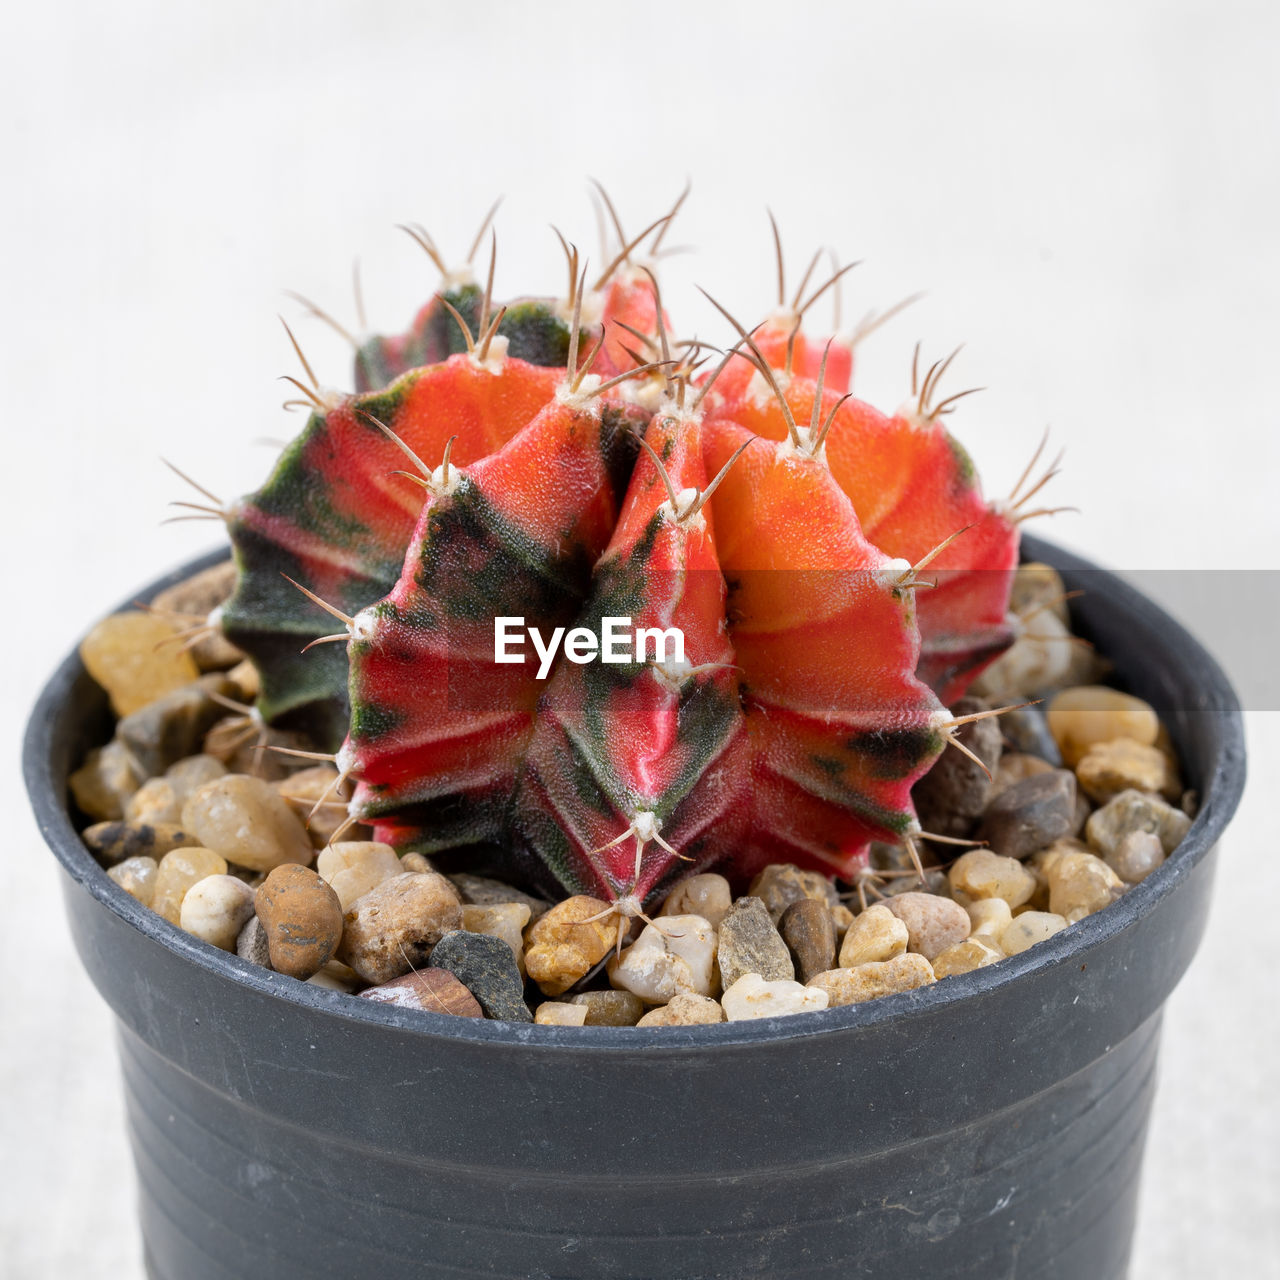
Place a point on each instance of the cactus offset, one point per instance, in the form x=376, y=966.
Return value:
x=835, y=576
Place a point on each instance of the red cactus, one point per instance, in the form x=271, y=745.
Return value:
x=831, y=571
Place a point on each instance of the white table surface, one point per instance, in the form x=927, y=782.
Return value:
x=1089, y=193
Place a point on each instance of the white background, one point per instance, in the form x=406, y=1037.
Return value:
x=1088, y=192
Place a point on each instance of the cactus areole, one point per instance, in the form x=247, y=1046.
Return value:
x=620, y=606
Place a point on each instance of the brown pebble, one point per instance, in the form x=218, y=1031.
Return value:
x=933, y=923
x=302, y=917
x=103, y=784
x=810, y=934
x=394, y=927
x=610, y=1008
x=781, y=883
x=112, y=842
x=430, y=990
x=1030, y=814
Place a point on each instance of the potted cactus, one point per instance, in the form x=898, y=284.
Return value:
x=556, y=594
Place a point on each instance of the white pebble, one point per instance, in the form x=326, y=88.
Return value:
x=216, y=909
x=663, y=961
x=752, y=997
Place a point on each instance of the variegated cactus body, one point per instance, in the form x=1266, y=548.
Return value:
x=834, y=573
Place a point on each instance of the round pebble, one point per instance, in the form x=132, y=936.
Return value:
x=1092, y=713
x=933, y=923
x=216, y=909
x=611, y=1008
x=989, y=918
x=1080, y=884
x=302, y=918
x=177, y=872
x=156, y=801
x=983, y=874
x=685, y=1010
x=552, y=1013
x=247, y=821
x=810, y=934
x=707, y=895
x=876, y=934
x=1108, y=768
x=137, y=876
x=352, y=867
x=1135, y=811
x=1028, y=929
x=1136, y=856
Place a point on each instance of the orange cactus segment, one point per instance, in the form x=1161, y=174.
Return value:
x=840, y=726
x=913, y=486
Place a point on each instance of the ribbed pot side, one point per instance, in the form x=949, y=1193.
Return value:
x=989, y=1126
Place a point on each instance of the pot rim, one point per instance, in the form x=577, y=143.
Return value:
x=1221, y=794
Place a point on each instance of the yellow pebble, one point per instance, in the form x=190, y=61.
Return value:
x=567, y=942
x=128, y=656
x=178, y=872
x=874, y=936
x=964, y=957
x=983, y=874
x=551, y=1013
x=1090, y=713
x=1028, y=929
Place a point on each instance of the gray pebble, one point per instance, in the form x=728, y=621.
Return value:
x=1027, y=730
x=173, y=726
x=955, y=791
x=485, y=966
x=252, y=944
x=748, y=943
x=1031, y=814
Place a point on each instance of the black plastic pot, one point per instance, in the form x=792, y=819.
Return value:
x=989, y=1126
